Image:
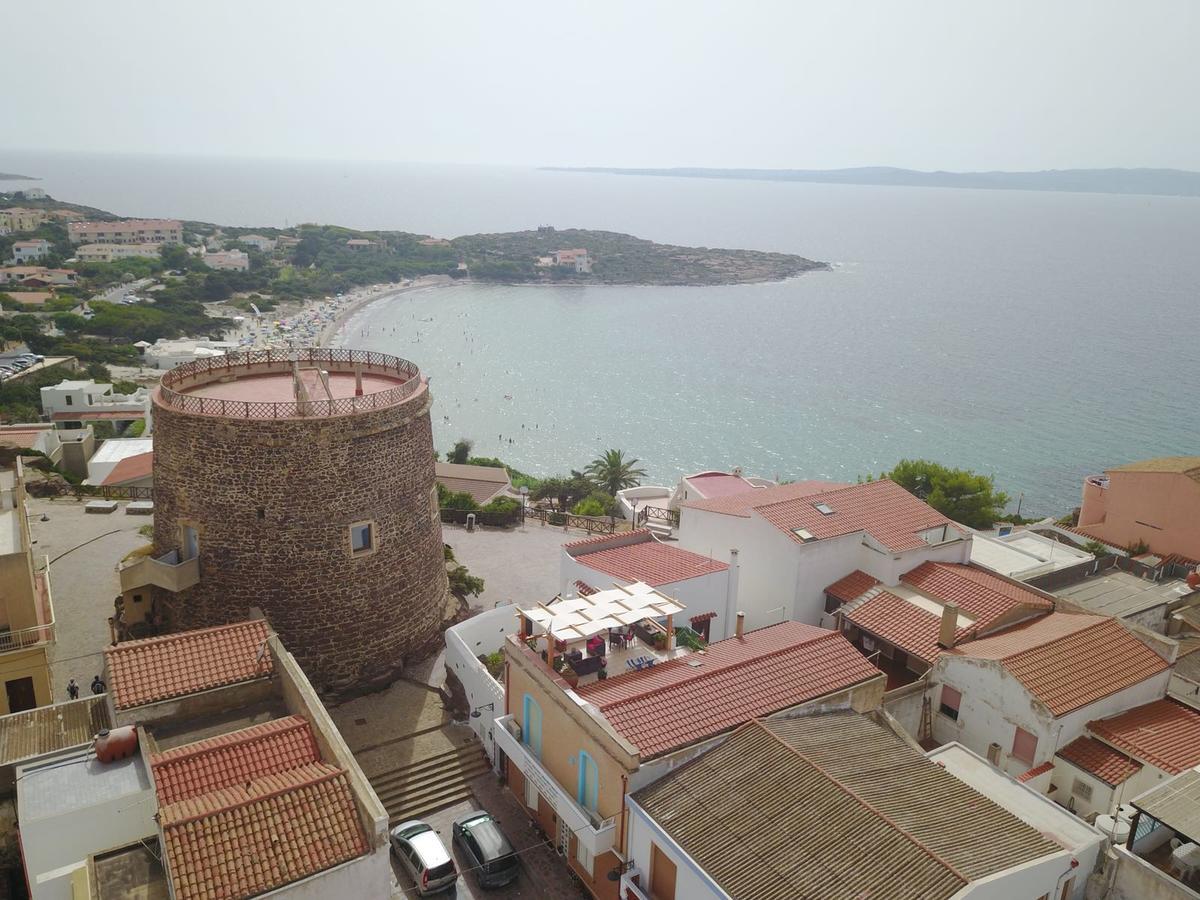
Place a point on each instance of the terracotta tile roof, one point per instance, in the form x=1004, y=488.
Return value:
x=883, y=509
x=1099, y=759
x=852, y=586
x=131, y=468
x=1067, y=660
x=1172, y=465
x=605, y=538
x=674, y=704
x=895, y=620
x=159, y=668
x=235, y=758
x=1030, y=774
x=585, y=589
x=832, y=786
x=985, y=597
x=741, y=504
x=244, y=841
x=650, y=561
x=1164, y=733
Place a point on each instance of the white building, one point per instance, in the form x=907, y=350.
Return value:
x=707, y=587
x=574, y=259
x=30, y=251
x=1124, y=755
x=236, y=260
x=113, y=452
x=86, y=401
x=167, y=354
x=838, y=804
x=72, y=806
x=259, y=242
x=1020, y=695
x=796, y=539
x=109, y=252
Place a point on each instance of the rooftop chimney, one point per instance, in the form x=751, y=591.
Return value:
x=949, y=626
x=741, y=624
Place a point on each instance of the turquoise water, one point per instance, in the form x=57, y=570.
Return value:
x=1036, y=336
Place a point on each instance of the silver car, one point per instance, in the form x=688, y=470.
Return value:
x=424, y=855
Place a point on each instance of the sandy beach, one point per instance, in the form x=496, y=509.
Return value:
x=311, y=323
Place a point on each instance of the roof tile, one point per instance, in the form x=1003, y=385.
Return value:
x=675, y=704
x=742, y=503
x=234, y=758
x=650, y=561
x=1068, y=661
x=895, y=620
x=1099, y=759
x=852, y=586
x=883, y=509
x=984, y=596
x=159, y=668
x=1164, y=733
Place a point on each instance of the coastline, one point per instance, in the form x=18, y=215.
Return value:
x=368, y=295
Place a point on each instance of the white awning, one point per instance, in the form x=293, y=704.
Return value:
x=582, y=617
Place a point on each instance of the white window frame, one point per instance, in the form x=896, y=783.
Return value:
x=372, y=536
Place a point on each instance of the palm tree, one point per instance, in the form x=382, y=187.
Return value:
x=613, y=472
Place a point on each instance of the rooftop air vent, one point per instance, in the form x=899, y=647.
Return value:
x=823, y=508
x=804, y=534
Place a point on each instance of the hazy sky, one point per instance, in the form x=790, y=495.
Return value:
x=1011, y=84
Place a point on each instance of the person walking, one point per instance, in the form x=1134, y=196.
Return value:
x=73, y=689
x=98, y=685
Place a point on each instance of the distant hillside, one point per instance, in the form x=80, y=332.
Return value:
x=621, y=259
x=8, y=176
x=1168, y=182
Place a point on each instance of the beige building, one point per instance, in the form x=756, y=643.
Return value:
x=234, y=260
x=127, y=231
x=27, y=626
x=616, y=704
x=109, y=252
x=16, y=218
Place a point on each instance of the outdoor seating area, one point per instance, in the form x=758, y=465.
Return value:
x=607, y=633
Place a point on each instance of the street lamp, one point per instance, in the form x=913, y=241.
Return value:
x=524, y=496
x=475, y=713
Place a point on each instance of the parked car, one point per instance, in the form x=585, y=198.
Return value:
x=424, y=855
x=486, y=849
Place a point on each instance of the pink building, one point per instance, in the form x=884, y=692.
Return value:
x=1155, y=500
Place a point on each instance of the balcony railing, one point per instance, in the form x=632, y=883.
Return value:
x=43, y=632
x=167, y=572
x=596, y=833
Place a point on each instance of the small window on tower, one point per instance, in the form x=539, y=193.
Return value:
x=362, y=538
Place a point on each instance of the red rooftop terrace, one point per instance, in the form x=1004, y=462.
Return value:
x=289, y=384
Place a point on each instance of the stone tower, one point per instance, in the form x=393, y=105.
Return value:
x=301, y=482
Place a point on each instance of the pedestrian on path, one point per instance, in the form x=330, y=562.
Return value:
x=98, y=685
x=73, y=689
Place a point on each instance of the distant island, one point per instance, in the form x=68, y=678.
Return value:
x=8, y=176
x=1162, y=182
x=615, y=258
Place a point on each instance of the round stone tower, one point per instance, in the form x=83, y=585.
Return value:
x=301, y=482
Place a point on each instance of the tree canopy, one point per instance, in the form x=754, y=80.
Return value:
x=959, y=494
x=613, y=472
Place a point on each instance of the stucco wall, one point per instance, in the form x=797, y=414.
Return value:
x=1162, y=509
x=481, y=634
x=1136, y=879
x=273, y=501
x=994, y=704
x=367, y=876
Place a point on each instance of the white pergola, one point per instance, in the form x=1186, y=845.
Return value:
x=582, y=617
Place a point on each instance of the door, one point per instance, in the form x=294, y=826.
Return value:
x=191, y=542
x=662, y=874
x=589, y=783
x=20, y=694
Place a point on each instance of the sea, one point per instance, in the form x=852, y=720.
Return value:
x=1034, y=336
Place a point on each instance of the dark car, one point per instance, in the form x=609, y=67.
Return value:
x=488, y=852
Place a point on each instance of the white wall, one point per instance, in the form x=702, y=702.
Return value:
x=481, y=634
x=691, y=882
x=367, y=876
x=994, y=704
x=1030, y=881
x=781, y=579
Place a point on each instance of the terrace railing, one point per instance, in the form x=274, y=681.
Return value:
x=203, y=371
x=657, y=514
x=590, y=524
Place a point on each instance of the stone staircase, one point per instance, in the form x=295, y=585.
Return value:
x=417, y=789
